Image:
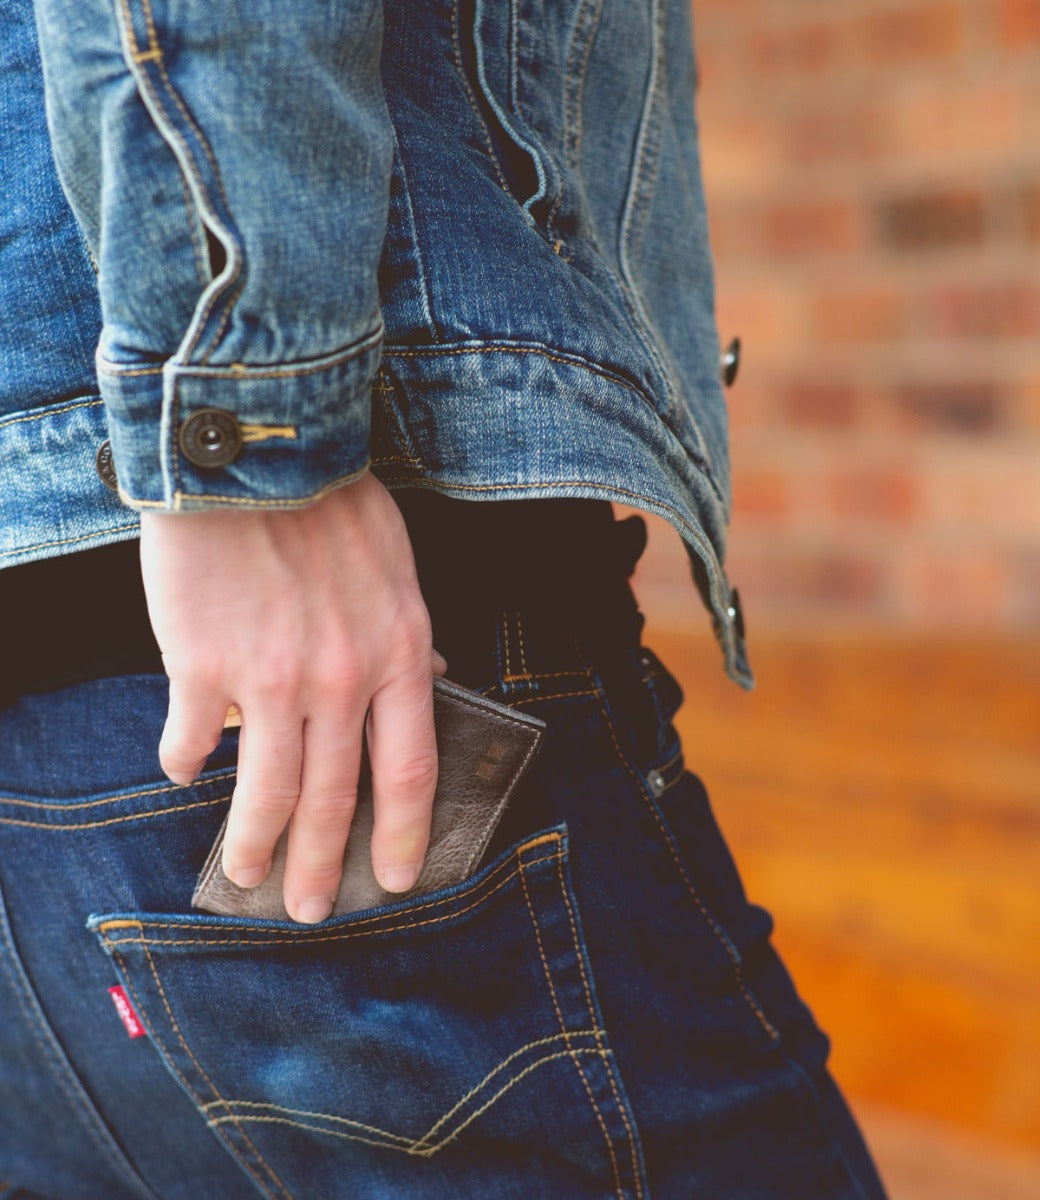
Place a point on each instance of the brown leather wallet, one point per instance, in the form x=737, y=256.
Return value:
x=483, y=750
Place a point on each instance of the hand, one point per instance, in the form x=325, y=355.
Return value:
x=312, y=624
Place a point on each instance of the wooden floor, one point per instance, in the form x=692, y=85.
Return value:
x=882, y=796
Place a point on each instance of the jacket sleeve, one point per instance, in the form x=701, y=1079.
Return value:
x=229, y=164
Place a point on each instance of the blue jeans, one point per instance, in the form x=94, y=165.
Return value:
x=598, y=1013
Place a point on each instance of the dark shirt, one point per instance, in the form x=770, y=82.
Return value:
x=83, y=616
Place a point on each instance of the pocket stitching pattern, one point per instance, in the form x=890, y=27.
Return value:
x=231, y=1111
x=303, y=938
x=416, y=1147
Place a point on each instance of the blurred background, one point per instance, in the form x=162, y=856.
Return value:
x=873, y=180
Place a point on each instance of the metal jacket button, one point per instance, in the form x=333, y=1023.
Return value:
x=106, y=468
x=211, y=438
x=735, y=612
x=730, y=364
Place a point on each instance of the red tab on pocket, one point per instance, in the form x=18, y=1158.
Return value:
x=130, y=1020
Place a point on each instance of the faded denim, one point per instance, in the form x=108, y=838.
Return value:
x=597, y=1013
x=521, y=181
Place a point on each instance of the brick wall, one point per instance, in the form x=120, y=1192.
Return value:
x=873, y=176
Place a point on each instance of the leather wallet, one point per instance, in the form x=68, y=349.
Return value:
x=483, y=750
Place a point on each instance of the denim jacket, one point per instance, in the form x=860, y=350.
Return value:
x=460, y=242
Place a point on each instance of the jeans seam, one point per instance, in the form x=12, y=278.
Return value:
x=514, y=703
x=117, y=798
x=153, y=812
x=563, y=1028
x=518, y=622
x=303, y=938
x=90, y=1119
x=142, y=1013
x=608, y=1063
x=198, y=1066
x=720, y=934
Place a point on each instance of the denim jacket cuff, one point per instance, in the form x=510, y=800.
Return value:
x=243, y=435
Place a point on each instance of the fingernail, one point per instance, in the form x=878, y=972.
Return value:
x=313, y=909
x=398, y=878
x=248, y=877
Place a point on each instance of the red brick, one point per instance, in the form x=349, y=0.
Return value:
x=1027, y=402
x=1024, y=590
x=764, y=314
x=981, y=121
x=795, y=49
x=860, y=314
x=876, y=204
x=1031, y=212
x=931, y=220
x=956, y=588
x=1019, y=23
x=1006, y=309
x=836, y=132
x=812, y=227
x=885, y=495
x=970, y=485
x=956, y=407
x=805, y=584
x=761, y=495
x=908, y=34
x=809, y=404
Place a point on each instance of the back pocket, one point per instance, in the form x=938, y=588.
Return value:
x=450, y=1045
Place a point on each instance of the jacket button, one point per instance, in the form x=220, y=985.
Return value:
x=106, y=468
x=735, y=613
x=211, y=438
x=730, y=364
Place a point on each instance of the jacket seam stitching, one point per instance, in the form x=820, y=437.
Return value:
x=96, y=402
x=83, y=537
x=485, y=133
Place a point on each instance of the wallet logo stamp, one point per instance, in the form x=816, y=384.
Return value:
x=489, y=764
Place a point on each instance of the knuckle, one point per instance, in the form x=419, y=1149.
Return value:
x=268, y=804
x=326, y=814
x=316, y=874
x=415, y=637
x=339, y=674
x=414, y=778
x=278, y=678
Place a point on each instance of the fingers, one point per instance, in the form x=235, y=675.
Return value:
x=320, y=825
x=270, y=752
x=440, y=664
x=403, y=754
x=194, y=723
